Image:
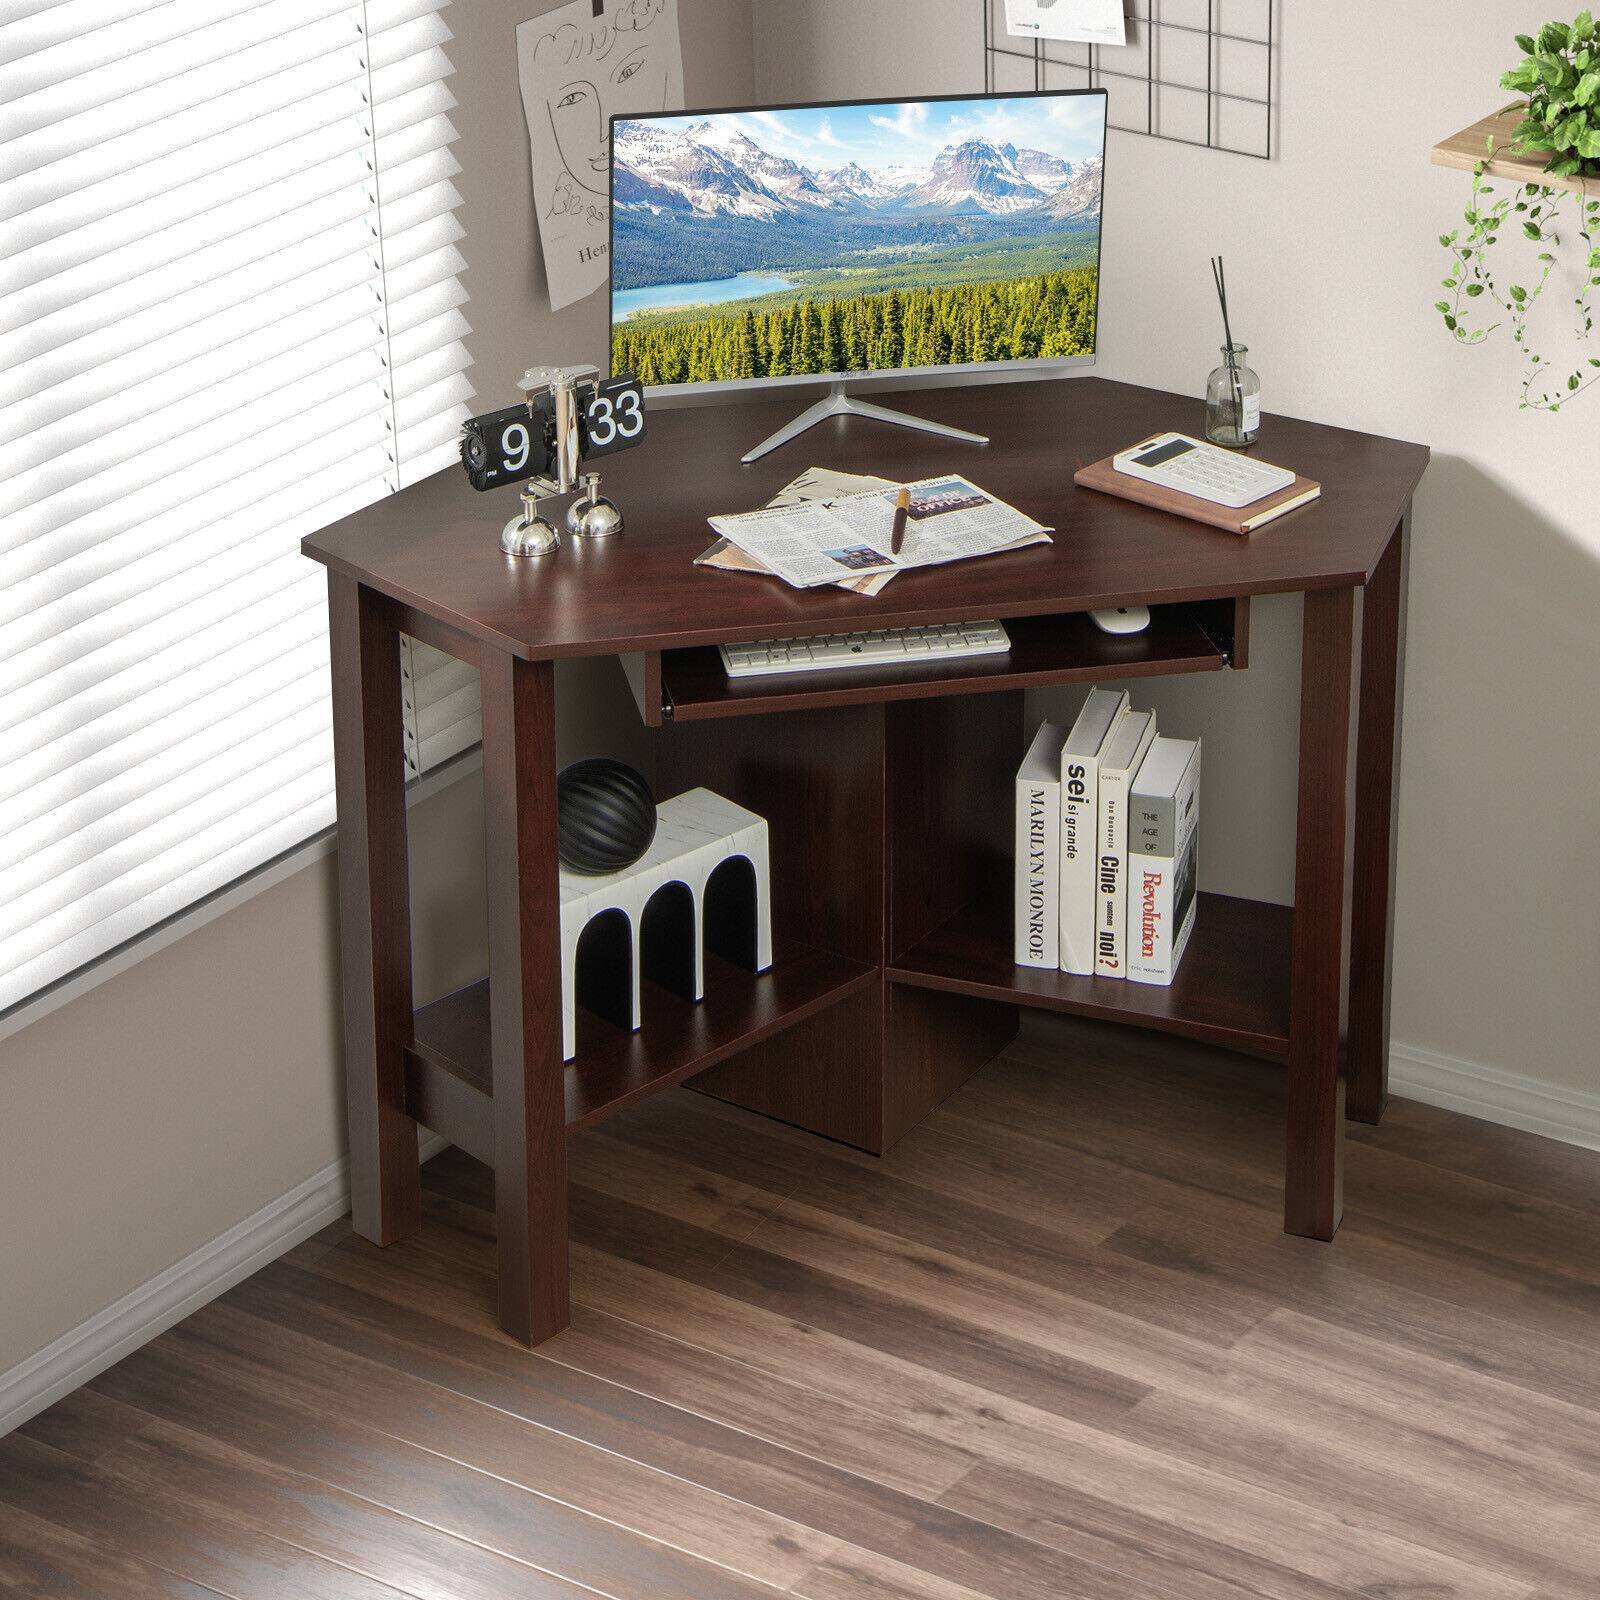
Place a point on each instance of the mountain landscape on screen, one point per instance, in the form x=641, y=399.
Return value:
x=709, y=169
x=939, y=233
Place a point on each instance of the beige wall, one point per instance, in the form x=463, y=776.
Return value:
x=1333, y=264
x=168, y=1104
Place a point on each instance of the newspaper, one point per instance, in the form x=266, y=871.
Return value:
x=823, y=483
x=848, y=537
x=808, y=545
x=815, y=483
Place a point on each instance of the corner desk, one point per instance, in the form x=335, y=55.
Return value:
x=887, y=791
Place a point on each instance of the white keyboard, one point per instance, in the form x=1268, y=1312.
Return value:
x=872, y=647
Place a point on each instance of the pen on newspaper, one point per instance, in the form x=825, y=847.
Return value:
x=902, y=504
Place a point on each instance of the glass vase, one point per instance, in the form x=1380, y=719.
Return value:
x=1233, y=401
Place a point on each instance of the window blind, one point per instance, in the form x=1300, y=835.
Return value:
x=230, y=313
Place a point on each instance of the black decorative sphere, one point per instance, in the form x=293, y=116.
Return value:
x=607, y=815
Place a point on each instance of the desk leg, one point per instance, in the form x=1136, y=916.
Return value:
x=1383, y=653
x=1313, y=1190
x=374, y=912
x=530, y=1151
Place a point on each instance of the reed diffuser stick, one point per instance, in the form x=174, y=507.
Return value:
x=1221, y=281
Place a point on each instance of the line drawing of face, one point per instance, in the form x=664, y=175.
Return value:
x=579, y=129
x=619, y=65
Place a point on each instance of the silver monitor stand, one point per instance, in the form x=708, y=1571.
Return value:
x=840, y=404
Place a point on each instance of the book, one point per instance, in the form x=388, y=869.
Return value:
x=1163, y=850
x=1119, y=761
x=1036, y=931
x=1080, y=799
x=1103, y=477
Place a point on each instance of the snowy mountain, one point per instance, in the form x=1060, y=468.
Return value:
x=1041, y=169
x=777, y=174
x=662, y=169
x=894, y=179
x=1079, y=196
x=713, y=169
x=974, y=173
x=853, y=182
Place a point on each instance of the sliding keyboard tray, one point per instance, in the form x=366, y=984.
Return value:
x=690, y=685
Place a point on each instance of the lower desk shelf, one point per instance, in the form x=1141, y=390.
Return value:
x=447, y=1069
x=1232, y=987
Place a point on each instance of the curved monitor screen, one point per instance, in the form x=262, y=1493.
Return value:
x=752, y=246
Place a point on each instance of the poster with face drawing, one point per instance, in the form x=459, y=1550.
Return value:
x=577, y=71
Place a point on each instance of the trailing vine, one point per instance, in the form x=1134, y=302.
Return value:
x=1536, y=211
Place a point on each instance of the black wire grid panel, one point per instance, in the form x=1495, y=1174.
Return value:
x=1195, y=71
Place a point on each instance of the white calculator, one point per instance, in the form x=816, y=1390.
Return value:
x=1191, y=466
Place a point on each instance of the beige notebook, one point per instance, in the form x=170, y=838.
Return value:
x=1103, y=476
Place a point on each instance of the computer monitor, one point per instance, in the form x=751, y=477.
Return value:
x=780, y=245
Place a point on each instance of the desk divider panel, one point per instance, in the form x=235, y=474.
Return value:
x=951, y=767
x=819, y=783
x=883, y=822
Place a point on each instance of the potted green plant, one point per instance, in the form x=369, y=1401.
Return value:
x=1560, y=74
x=1560, y=125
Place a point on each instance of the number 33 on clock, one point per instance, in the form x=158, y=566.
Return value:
x=612, y=418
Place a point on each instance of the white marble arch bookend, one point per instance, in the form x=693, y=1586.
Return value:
x=704, y=877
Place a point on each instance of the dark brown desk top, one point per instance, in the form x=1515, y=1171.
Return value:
x=436, y=547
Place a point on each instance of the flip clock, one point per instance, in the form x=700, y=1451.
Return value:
x=569, y=416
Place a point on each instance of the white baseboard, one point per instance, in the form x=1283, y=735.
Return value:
x=91, y=1347
x=1511, y=1099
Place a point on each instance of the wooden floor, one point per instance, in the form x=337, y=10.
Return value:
x=1054, y=1346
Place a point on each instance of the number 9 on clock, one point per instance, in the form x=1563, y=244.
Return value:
x=507, y=446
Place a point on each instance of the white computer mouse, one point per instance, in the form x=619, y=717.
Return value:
x=1121, y=619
